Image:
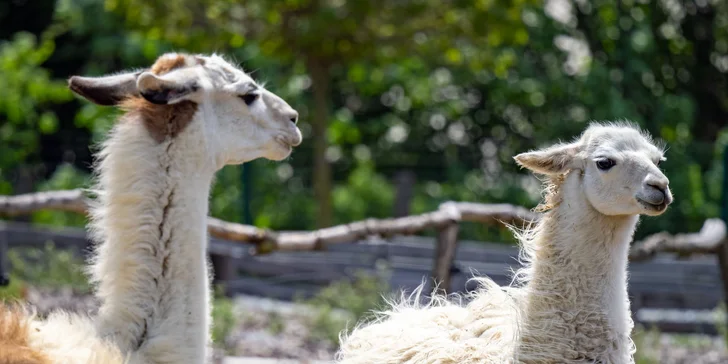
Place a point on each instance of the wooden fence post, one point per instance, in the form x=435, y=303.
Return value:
x=4, y=273
x=405, y=183
x=224, y=269
x=447, y=239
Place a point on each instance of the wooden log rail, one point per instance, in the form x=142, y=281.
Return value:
x=445, y=220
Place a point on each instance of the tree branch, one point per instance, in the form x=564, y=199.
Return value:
x=707, y=241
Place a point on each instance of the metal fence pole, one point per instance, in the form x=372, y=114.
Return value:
x=247, y=192
x=723, y=250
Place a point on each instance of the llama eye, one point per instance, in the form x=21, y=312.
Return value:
x=605, y=164
x=249, y=98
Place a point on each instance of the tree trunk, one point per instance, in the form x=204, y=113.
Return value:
x=24, y=183
x=321, y=168
x=708, y=83
x=405, y=183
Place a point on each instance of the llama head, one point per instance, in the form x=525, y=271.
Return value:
x=242, y=120
x=619, y=165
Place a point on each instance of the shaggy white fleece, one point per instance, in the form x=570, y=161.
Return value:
x=568, y=303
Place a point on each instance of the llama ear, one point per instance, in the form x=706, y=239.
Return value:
x=106, y=90
x=550, y=161
x=163, y=90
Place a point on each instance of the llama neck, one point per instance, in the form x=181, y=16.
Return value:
x=151, y=223
x=577, y=283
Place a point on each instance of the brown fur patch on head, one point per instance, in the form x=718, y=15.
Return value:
x=161, y=121
x=14, y=337
x=170, y=62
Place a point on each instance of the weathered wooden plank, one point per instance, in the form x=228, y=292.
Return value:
x=260, y=287
x=678, y=268
x=261, y=268
x=323, y=275
x=696, y=301
x=256, y=360
x=224, y=268
x=424, y=246
x=343, y=257
x=334, y=263
x=229, y=248
x=682, y=327
x=24, y=234
x=374, y=247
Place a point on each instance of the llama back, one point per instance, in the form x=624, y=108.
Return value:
x=443, y=330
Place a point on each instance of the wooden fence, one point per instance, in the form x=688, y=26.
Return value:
x=283, y=265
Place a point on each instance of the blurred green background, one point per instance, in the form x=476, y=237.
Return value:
x=442, y=93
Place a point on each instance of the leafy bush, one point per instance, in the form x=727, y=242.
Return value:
x=12, y=292
x=647, y=342
x=358, y=297
x=48, y=267
x=365, y=194
x=223, y=319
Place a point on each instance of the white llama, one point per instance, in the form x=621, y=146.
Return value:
x=186, y=117
x=569, y=302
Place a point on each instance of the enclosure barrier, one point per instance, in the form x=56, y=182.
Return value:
x=445, y=220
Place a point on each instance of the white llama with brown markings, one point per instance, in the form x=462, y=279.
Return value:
x=569, y=303
x=186, y=117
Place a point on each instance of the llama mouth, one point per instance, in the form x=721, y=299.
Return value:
x=288, y=141
x=285, y=145
x=653, y=207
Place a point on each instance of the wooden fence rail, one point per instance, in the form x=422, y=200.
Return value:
x=673, y=295
x=445, y=220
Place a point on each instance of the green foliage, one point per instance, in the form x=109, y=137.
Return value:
x=223, y=319
x=651, y=344
x=647, y=342
x=13, y=292
x=358, y=297
x=365, y=194
x=26, y=91
x=48, y=267
x=334, y=31
x=448, y=89
x=720, y=322
x=276, y=323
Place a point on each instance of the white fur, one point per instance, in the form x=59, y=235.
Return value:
x=150, y=220
x=568, y=304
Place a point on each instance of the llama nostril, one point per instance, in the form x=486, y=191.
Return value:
x=294, y=117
